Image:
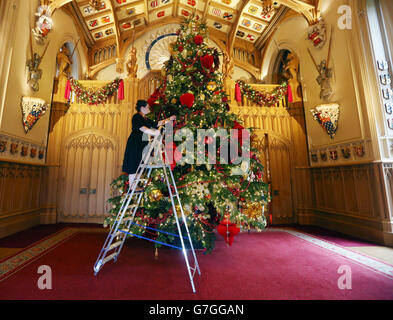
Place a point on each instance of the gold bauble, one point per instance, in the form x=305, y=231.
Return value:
x=178, y=211
x=211, y=86
x=155, y=195
x=253, y=210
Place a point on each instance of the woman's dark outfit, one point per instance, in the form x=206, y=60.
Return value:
x=135, y=145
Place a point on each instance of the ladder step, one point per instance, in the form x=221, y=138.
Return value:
x=114, y=245
x=110, y=257
x=124, y=218
x=155, y=166
x=128, y=218
x=118, y=233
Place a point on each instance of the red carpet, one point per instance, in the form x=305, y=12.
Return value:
x=268, y=265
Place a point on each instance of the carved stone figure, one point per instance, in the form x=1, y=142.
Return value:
x=291, y=70
x=131, y=65
x=227, y=67
x=64, y=63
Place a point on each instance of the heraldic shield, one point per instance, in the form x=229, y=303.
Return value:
x=32, y=110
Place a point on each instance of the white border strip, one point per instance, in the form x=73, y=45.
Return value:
x=369, y=262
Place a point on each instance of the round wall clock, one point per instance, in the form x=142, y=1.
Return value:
x=158, y=51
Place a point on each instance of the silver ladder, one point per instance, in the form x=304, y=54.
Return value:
x=118, y=233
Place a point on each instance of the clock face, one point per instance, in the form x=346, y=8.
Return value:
x=158, y=51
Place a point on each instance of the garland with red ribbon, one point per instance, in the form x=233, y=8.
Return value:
x=262, y=98
x=90, y=96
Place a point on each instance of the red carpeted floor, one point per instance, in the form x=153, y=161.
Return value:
x=267, y=265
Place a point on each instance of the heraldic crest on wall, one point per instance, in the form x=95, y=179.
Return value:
x=32, y=110
x=327, y=116
x=317, y=34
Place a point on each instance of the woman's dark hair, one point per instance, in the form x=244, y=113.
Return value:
x=140, y=104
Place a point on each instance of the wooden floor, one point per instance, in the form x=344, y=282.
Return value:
x=7, y=252
x=382, y=253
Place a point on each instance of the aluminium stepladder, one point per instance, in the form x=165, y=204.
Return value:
x=114, y=242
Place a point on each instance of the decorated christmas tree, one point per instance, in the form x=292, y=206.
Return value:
x=221, y=195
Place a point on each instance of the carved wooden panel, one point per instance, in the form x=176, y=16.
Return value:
x=19, y=187
x=149, y=83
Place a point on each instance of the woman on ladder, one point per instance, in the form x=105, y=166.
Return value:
x=135, y=143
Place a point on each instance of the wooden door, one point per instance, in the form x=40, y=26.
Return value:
x=87, y=170
x=276, y=159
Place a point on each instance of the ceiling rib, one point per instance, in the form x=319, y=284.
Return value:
x=117, y=29
x=81, y=21
x=206, y=10
x=271, y=27
x=146, y=12
x=232, y=34
x=175, y=8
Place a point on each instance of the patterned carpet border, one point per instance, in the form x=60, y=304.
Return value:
x=10, y=265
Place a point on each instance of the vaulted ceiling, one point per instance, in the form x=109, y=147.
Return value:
x=113, y=21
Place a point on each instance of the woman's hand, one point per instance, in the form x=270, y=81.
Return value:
x=163, y=122
x=150, y=132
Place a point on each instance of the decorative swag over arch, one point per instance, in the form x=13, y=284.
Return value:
x=90, y=96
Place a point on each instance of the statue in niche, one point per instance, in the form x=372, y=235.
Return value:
x=64, y=63
x=291, y=69
x=131, y=65
x=227, y=67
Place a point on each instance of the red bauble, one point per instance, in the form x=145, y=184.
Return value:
x=153, y=97
x=187, y=99
x=176, y=154
x=207, y=61
x=180, y=48
x=198, y=39
x=209, y=140
x=156, y=94
x=228, y=230
x=151, y=101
